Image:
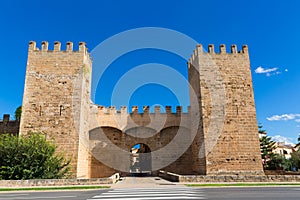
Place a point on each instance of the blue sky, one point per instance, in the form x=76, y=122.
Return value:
x=270, y=28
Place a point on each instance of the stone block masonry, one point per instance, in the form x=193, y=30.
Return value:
x=9, y=126
x=228, y=115
x=58, y=182
x=229, y=178
x=57, y=103
x=56, y=95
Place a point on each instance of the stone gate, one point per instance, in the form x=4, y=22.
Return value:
x=218, y=134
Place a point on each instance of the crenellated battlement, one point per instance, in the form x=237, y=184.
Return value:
x=56, y=47
x=146, y=110
x=9, y=126
x=222, y=50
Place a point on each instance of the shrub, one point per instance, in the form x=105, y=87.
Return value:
x=30, y=157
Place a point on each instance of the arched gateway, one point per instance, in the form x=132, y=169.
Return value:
x=140, y=159
x=218, y=134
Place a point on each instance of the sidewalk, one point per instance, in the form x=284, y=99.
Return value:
x=144, y=182
x=157, y=182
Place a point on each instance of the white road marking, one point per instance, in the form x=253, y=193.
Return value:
x=143, y=195
x=150, y=193
x=156, y=189
x=12, y=195
x=147, y=198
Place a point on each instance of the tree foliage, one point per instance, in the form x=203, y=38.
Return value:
x=266, y=147
x=30, y=157
x=18, y=113
x=276, y=162
x=295, y=159
x=273, y=161
x=260, y=130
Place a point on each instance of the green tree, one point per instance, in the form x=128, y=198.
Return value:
x=266, y=147
x=276, y=162
x=30, y=157
x=260, y=130
x=295, y=159
x=18, y=113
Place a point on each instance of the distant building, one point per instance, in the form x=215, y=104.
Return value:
x=284, y=149
x=9, y=126
x=297, y=147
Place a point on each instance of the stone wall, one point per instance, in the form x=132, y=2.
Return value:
x=124, y=130
x=9, y=126
x=56, y=94
x=58, y=182
x=228, y=178
x=218, y=135
x=227, y=109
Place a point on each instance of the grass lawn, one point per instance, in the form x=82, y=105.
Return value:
x=54, y=188
x=241, y=184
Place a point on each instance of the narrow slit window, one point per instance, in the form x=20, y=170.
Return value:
x=60, y=109
x=40, y=111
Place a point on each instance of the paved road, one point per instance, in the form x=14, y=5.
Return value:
x=251, y=193
x=143, y=182
x=147, y=188
x=151, y=193
x=245, y=193
x=62, y=195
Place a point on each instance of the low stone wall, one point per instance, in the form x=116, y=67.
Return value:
x=59, y=182
x=169, y=176
x=228, y=178
x=280, y=172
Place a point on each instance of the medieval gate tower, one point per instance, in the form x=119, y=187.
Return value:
x=57, y=103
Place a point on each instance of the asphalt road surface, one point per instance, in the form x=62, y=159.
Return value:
x=245, y=193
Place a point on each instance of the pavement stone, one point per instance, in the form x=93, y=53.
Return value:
x=144, y=182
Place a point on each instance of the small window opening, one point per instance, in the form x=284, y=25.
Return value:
x=40, y=110
x=60, y=109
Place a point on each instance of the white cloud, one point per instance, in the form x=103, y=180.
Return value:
x=268, y=71
x=279, y=138
x=261, y=70
x=285, y=117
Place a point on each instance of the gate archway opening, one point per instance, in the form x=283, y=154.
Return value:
x=140, y=159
